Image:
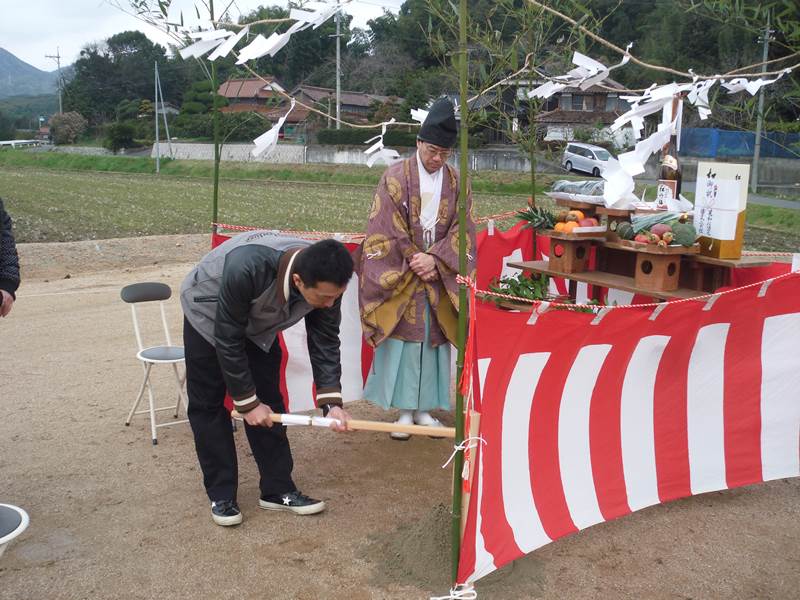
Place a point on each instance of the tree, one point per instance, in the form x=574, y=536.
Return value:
x=121, y=68
x=127, y=109
x=67, y=127
x=119, y=136
x=7, y=129
x=145, y=109
x=199, y=99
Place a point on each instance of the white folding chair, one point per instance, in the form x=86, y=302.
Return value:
x=164, y=354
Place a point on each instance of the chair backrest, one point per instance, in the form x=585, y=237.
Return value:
x=150, y=291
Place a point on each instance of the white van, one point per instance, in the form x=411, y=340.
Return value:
x=585, y=157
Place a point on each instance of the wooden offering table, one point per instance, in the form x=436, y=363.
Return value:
x=709, y=274
x=657, y=268
x=700, y=275
x=602, y=279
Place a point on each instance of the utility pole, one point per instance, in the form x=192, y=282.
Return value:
x=338, y=67
x=760, y=120
x=163, y=112
x=155, y=100
x=57, y=58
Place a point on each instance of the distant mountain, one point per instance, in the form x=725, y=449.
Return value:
x=18, y=78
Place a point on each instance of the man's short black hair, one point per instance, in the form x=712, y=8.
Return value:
x=326, y=260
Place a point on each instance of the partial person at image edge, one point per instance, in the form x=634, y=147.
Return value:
x=235, y=302
x=9, y=263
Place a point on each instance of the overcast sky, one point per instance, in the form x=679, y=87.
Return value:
x=30, y=29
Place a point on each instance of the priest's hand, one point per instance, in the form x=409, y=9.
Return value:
x=424, y=266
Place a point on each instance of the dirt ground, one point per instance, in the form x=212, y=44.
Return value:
x=114, y=517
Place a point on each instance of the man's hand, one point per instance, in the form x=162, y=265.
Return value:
x=424, y=266
x=337, y=412
x=260, y=416
x=6, y=304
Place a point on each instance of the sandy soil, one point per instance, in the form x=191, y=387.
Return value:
x=114, y=517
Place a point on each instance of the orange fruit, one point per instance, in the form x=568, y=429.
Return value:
x=559, y=226
x=578, y=214
x=568, y=227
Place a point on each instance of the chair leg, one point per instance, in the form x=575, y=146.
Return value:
x=147, y=367
x=152, y=412
x=181, y=394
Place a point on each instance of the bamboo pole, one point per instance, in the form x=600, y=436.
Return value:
x=458, y=463
x=215, y=116
x=359, y=425
x=474, y=429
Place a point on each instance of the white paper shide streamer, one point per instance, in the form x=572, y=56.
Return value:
x=587, y=73
x=419, y=114
x=377, y=150
x=182, y=16
x=267, y=142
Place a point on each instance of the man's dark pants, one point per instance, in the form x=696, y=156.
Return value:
x=211, y=422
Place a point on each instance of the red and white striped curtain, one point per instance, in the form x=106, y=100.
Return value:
x=587, y=419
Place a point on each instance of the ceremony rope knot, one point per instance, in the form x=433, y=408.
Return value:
x=465, y=445
x=463, y=591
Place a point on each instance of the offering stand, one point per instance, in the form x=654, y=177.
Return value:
x=660, y=272
x=569, y=252
x=657, y=268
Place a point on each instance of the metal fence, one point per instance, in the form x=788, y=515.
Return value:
x=713, y=143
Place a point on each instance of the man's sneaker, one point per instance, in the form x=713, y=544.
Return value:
x=295, y=502
x=406, y=418
x=226, y=513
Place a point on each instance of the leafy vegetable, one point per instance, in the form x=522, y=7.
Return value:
x=535, y=287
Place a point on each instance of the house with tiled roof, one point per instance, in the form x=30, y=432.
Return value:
x=251, y=95
x=559, y=117
x=573, y=108
x=267, y=97
x=355, y=106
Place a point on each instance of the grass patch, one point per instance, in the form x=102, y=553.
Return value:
x=52, y=206
x=490, y=182
x=65, y=197
x=772, y=217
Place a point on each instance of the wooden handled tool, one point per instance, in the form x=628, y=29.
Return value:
x=357, y=425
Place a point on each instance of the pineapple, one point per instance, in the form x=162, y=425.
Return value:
x=538, y=218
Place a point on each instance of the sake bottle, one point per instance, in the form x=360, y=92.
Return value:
x=669, y=177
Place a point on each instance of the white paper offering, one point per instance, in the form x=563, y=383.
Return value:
x=720, y=195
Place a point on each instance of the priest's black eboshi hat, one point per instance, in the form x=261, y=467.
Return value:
x=440, y=127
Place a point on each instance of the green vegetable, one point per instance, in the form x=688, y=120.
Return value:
x=535, y=287
x=645, y=222
x=625, y=230
x=684, y=234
